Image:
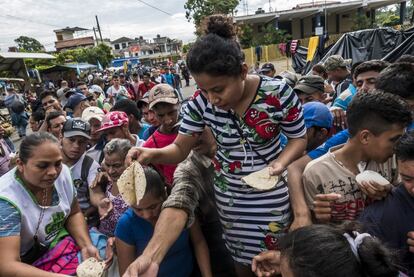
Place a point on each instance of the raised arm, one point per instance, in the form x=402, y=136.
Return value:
x=302, y=215
x=171, y=154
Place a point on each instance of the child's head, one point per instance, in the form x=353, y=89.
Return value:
x=398, y=79
x=325, y=251
x=318, y=122
x=164, y=102
x=149, y=207
x=376, y=120
x=404, y=151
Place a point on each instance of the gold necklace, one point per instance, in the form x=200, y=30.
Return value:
x=42, y=212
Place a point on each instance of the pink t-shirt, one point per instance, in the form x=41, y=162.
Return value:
x=160, y=140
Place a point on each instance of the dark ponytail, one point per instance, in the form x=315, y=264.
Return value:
x=324, y=251
x=29, y=144
x=216, y=52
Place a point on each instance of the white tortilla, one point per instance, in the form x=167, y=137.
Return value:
x=90, y=268
x=261, y=180
x=132, y=184
x=369, y=175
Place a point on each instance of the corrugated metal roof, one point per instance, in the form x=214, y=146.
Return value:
x=22, y=55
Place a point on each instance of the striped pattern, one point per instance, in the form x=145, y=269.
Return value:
x=252, y=220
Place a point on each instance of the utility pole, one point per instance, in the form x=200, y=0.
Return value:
x=326, y=31
x=270, y=6
x=99, y=28
x=94, y=32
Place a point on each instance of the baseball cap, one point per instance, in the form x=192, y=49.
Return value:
x=75, y=99
x=317, y=114
x=92, y=112
x=113, y=119
x=61, y=93
x=310, y=84
x=290, y=78
x=76, y=127
x=335, y=61
x=96, y=89
x=162, y=93
x=267, y=67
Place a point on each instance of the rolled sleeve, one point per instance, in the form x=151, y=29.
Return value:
x=10, y=218
x=184, y=196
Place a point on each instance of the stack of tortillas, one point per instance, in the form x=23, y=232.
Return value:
x=132, y=184
x=90, y=268
x=261, y=180
x=371, y=176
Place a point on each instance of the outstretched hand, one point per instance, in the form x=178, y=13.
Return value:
x=322, y=206
x=142, y=155
x=266, y=263
x=142, y=267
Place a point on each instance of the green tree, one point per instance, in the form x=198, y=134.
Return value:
x=186, y=47
x=361, y=22
x=198, y=9
x=271, y=35
x=28, y=44
x=245, y=34
x=101, y=53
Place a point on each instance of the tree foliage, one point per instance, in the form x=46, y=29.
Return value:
x=271, y=35
x=198, y=9
x=186, y=47
x=245, y=34
x=361, y=22
x=101, y=53
x=28, y=44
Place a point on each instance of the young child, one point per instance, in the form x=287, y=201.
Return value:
x=164, y=102
x=376, y=121
x=135, y=229
x=325, y=251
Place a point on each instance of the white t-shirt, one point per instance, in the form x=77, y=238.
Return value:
x=82, y=190
x=112, y=91
x=54, y=217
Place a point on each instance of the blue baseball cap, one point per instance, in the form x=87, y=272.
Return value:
x=317, y=114
x=75, y=99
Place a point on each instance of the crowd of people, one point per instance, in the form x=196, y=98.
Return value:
x=61, y=200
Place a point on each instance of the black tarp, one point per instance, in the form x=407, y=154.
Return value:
x=364, y=45
x=407, y=47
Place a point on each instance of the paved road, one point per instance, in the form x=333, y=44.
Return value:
x=188, y=91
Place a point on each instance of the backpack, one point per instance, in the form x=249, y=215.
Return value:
x=93, y=219
x=17, y=106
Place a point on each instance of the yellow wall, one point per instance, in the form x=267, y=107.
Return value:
x=269, y=53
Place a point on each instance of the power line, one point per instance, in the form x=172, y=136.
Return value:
x=28, y=20
x=156, y=8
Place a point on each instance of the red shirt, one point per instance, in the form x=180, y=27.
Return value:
x=142, y=88
x=160, y=140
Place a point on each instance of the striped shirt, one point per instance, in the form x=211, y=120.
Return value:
x=252, y=220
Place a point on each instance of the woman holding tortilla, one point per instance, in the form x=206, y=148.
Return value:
x=246, y=114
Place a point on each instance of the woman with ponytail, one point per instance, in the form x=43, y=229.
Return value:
x=246, y=114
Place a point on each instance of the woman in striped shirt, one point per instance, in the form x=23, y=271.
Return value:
x=246, y=114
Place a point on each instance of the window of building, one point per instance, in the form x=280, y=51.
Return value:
x=124, y=45
x=117, y=46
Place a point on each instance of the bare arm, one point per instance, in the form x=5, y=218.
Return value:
x=10, y=264
x=171, y=154
x=201, y=250
x=169, y=226
x=78, y=229
x=302, y=215
x=293, y=150
x=126, y=255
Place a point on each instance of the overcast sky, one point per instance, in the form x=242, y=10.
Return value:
x=130, y=18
